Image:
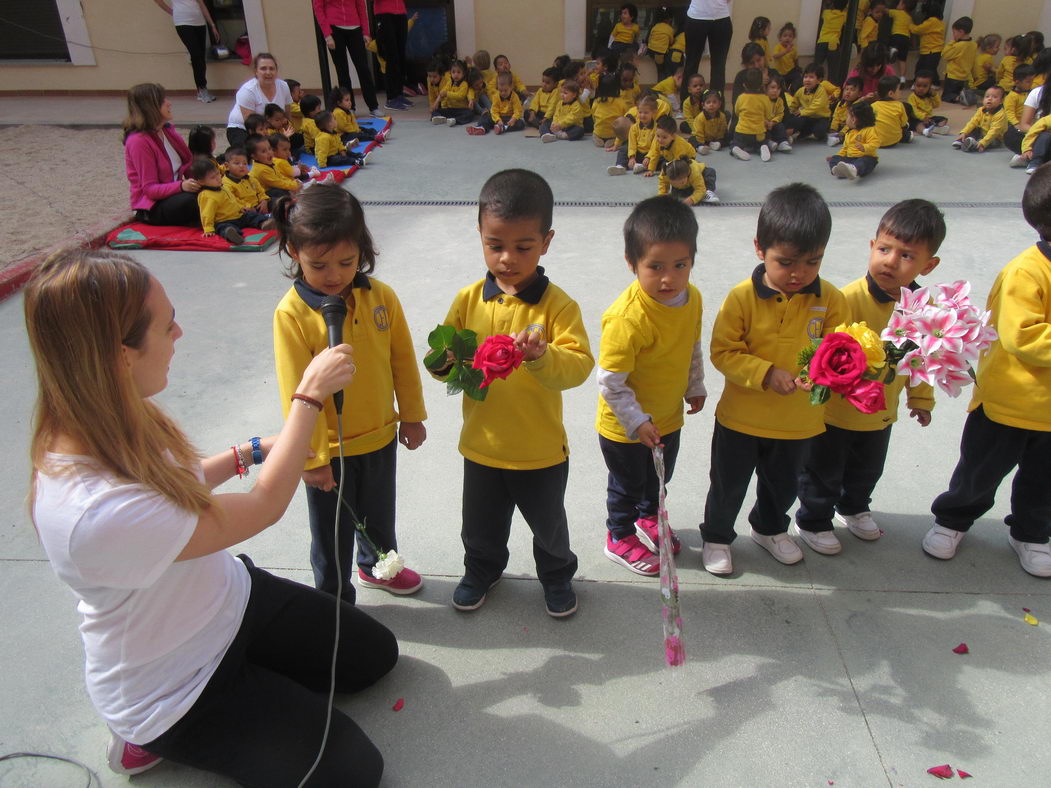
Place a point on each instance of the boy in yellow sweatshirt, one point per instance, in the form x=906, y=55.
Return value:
x=845, y=462
x=959, y=56
x=635, y=156
x=667, y=147
x=1009, y=425
x=567, y=118
x=221, y=214
x=932, y=39
x=987, y=126
x=544, y=100
x=513, y=443
x=811, y=106
x=754, y=114
x=764, y=420
x=248, y=193
x=651, y=360
x=892, y=120
x=833, y=19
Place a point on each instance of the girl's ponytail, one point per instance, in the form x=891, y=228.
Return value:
x=281, y=212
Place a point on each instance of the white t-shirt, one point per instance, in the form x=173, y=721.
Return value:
x=250, y=95
x=154, y=630
x=1033, y=99
x=709, y=9
x=173, y=156
x=187, y=12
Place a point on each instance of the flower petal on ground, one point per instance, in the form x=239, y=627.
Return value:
x=944, y=771
x=1026, y=610
x=961, y=649
x=399, y=705
x=963, y=775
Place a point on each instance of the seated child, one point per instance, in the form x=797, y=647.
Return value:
x=764, y=420
x=625, y=34
x=860, y=152
x=514, y=442
x=481, y=61
x=670, y=86
x=635, y=155
x=651, y=360
x=264, y=172
x=922, y=102
x=1009, y=425
x=845, y=462
x=506, y=112
x=667, y=147
x=711, y=127
x=833, y=18
x=567, y=121
x=483, y=101
x=786, y=58
x=691, y=181
x=282, y=148
x=1014, y=104
x=1005, y=72
x=329, y=149
x=851, y=93
x=811, y=110
x=986, y=127
x=503, y=66
x=295, y=112
x=244, y=189
x=606, y=107
x=1036, y=145
x=434, y=84
x=693, y=103
x=201, y=142
x=544, y=100
x=347, y=122
x=311, y=106
x=276, y=120
x=629, y=84
x=256, y=124
x=984, y=73
x=892, y=121
x=659, y=41
x=959, y=56
x=221, y=214
x=752, y=57
x=455, y=99
x=778, y=133
x=753, y=112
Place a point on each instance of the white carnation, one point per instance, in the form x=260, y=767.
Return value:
x=388, y=566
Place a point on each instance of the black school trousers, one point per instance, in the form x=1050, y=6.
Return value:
x=195, y=39
x=632, y=487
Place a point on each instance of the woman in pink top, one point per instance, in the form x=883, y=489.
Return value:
x=345, y=26
x=392, y=30
x=157, y=161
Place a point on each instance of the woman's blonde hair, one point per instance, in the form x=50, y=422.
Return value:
x=81, y=307
x=144, y=108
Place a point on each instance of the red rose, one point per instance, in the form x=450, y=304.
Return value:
x=839, y=362
x=497, y=357
x=868, y=396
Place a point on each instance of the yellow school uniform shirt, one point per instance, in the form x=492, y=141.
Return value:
x=327, y=145
x=860, y=142
x=630, y=95
x=245, y=191
x=1014, y=376
x=891, y=118
x=660, y=38
x=284, y=168
x=666, y=87
x=758, y=328
x=863, y=10
x=457, y=96
x=678, y=48
x=901, y=21
x=984, y=69
x=785, y=60
x=695, y=180
x=1005, y=72
x=309, y=133
x=653, y=343
x=216, y=205
x=932, y=35
x=678, y=149
x=868, y=303
x=707, y=129
x=994, y=124
x=830, y=89
x=509, y=107
x=1038, y=128
x=764, y=44
x=516, y=84
x=432, y=93
x=777, y=113
x=568, y=113
x=268, y=177
x=383, y=353
x=811, y=105
x=869, y=32
x=924, y=106
x=545, y=101
x=519, y=425
x=640, y=140
x=839, y=116
x=346, y=122
x=625, y=34
x=295, y=116
x=832, y=22
x=752, y=111
x=1013, y=103
x=959, y=57
x=690, y=109
x=605, y=111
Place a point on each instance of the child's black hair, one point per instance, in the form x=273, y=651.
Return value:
x=1003, y=92
x=709, y=93
x=933, y=8
x=517, y=194
x=336, y=95
x=759, y=24
x=926, y=73
x=252, y=141
x=662, y=14
x=632, y=10
x=1024, y=71
x=660, y=219
x=254, y=122
x=201, y=167
x=677, y=170
x=234, y=150
x=886, y=86
x=1036, y=202
x=473, y=75
x=572, y=69
x=839, y=5
x=816, y=69
x=667, y=123
x=864, y=114
x=272, y=109
x=436, y=65
x=626, y=68
x=609, y=62
x=1034, y=43
x=912, y=221
x=875, y=54
x=856, y=82
x=608, y=87
x=501, y=57
x=785, y=28
x=964, y=24
x=309, y=105
x=201, y=140
x=1017, y=43
x=277, y=138
x=794, y=215
x=318, y=219
x=695, y=76
x=749, y=52
x=292, y=84
x=457, y=63
x=322, y=118
x=1042, y=63
x=560, y=63
x=752, y=82
x=552, y=73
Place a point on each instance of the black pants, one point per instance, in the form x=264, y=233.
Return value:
x=236, y=136
x=709, y=184
x=195, y=39
x=953, y=88
x=248, y=219
x=820, y=53
x=1041, y=149
x=902, y=44
x=929, y=62
x=461, y=115
x=487, y=122
x=716, y=33
x=749, y=142
x=370, y=492
x=840, y=471
x=261, y=716
x=735, y=457
x=979, y=134
x=490, y=496
x=778, y=132
x=180, y=210
x=863, y=164
x=1013, y=139
x=572, y=133
x=988, y=452
x=351, y=42
x=805, y=126
x=392, y=31
x=632, y=487
x=364, y=133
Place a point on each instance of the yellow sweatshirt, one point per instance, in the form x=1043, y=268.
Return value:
x=901, y=22
x=326, y=146
x=245, y=191
x=309, y=133
x=630, y=95
x=267, y=176
x=625, y=34
x=1038, y=128
x=752, y=111
x=284, y=168
x=1014, y=101
x=516, y=84
x=707, y=129
x=959, y=57
x=814, y=104
x=216, y=205
x=832, y=22
x=860, y=142
x=605, y=111
x=519, y=425
x=653, y=343
x=994, y=124
x=1014, y=377
x=839, y=117
x=867, y=302
x=691, y=109
x=295, y=116
x=568, y=114
x=545, y=101
x=383, y=352
x=1005, y=72
x=758, y=328
x=457, y=96
x=660, y=38
x=984, y=70
x=678, y=47
x=785, y=60
x=666, y=87
x=932, y=34
x=695, y=181
x=640, y=140
x=678, y=149
x=777, y=114
x=764, y=44
x=346, y=122
x=432, y=92
x=891, y=118
x=924, y=106
x=511, y=107
x=869, y=32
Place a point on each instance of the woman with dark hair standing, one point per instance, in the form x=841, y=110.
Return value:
x=345, y=26
x=708, y=22
x=192, y=21
x=392, y=31
x=157, y=161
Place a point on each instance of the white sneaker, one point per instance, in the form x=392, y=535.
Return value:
x=548, y=137
x=927, y=131
x=785, y=146
x=844, y=170
x=450, y=122
x=716, y=558
x=780, y=546
x=715, y=145
x=1034, y=558
x=1031, y=169
x=824, y=542
x=969, y=144
x=639, y=169
x=740, y=153
x=1018, y=161
x=704, y=150
x=616, y=169
x=943, y=129
x=710, y=197
x=957, y=144
x=941, y=542
x=204, y=96
x=832, y=140
x=765, y=152
x=438, y=120
x=861, y=525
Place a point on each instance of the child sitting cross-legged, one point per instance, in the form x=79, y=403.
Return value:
x=342, y=101
x=606, y=107
x=851, y=93
x=264, y=172
x=667, y=147
x=282, y=148
x=310, y=106
x=693, y=104
x=987, y=126
x=635, y=155
x=711, y=126
x=567, y=121
x=753, y=114
x=688, y=180
x=545, y=99
x=246, y=190
x=221, y=213
x=892, y=121
x=454, y=105
x=860, y=152
x=810, y=106
x=651, y=361
x=922, y=102
x=506, y=111
x=329, y=149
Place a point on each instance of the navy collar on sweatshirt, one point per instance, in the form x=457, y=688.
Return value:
x=313, y=298
x=531, y=294
x=879, y=293
x=1045, y=248
x=761, y=290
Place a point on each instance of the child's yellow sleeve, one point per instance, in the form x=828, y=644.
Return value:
x=729, y=351
x=567, y=362
x=1023, y=321
x=291, y=357
x=997, y=129
x=919, y=397
x=207, y=208
x=407, y=387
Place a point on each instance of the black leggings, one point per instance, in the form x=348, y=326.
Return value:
x=391, y=34
x=717, y=34
x=261, y=716
x=195, y=39
x=180, y=210
x=352, y=41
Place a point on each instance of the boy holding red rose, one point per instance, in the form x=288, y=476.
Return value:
x=764, y=419
x=513, y=443
x=845, y=462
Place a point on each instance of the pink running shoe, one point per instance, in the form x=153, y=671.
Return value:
x=127, y=758
x=630, y=553
x=404, y=583
x=648, y=531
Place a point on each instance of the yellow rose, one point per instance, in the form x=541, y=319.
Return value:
x=870, y=342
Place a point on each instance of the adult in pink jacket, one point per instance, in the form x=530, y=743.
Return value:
x=345, y=26
x=157, y=161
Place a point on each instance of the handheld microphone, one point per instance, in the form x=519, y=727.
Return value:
x=334, y=312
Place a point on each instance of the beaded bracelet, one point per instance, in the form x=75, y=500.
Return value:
x=257, y=451
x=239, y=463
x=308, y=401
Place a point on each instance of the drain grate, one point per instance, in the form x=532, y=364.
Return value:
x=631, y=204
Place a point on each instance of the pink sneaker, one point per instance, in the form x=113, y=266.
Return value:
x=630, y=553
x=127, y=758
x=380, y=138
x=648, y=531
x=405, y=582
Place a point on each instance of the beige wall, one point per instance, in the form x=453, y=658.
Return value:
x=529, y=32
x=1006, y=17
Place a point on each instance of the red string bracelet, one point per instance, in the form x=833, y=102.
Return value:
x=242, y=471
x=308, y=401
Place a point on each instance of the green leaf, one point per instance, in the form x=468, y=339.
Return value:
x=452, y=382
x=819, y=395
x=470, y=343
x=805, y=356
x=891, y=374
x=471, y=380
x=436, y=359
x=441, y=337
x=459, y=348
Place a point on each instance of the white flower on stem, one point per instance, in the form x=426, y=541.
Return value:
x=388, y=566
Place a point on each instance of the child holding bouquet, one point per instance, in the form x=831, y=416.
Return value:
x=513, y=442
x=1009, y=425
x=845, y=462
